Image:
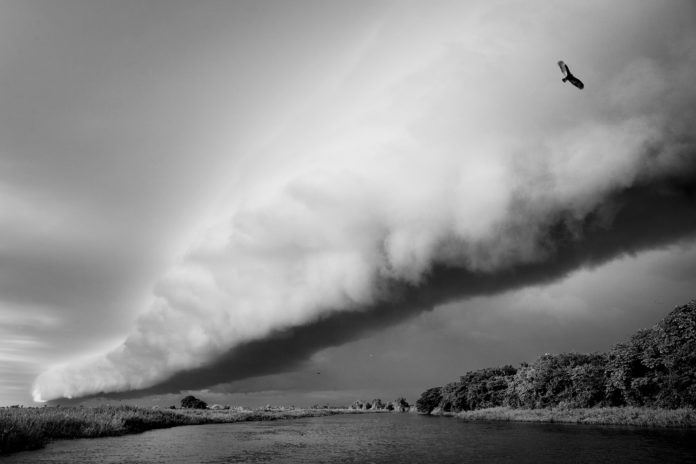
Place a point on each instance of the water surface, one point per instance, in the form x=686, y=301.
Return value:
x=377, y=438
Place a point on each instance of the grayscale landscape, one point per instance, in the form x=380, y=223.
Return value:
x=372, y=231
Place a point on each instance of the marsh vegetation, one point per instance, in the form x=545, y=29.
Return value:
x=629, y=415
x=32, y=428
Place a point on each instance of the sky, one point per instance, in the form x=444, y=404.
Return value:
x=301, y=202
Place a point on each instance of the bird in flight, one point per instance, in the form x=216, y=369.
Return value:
x=568, y=76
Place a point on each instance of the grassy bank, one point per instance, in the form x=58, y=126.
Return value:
x=641, y=417
x=31, y=428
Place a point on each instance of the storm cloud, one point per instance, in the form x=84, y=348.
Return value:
x=468, y=169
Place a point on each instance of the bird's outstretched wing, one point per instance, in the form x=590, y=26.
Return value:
x=564, y=68
x=568, y=76
x=576, y=82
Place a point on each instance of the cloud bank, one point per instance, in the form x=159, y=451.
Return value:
x=465, y=169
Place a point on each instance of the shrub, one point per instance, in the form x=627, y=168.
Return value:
x=191, y=402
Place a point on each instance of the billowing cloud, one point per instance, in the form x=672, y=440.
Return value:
x=464, y=168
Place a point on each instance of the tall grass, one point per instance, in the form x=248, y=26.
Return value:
x=634, y=416
x=31, y=428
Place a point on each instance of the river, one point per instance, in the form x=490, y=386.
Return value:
x=377, y=438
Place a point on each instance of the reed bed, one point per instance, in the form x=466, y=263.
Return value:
x=632, y=416
x=32, y=428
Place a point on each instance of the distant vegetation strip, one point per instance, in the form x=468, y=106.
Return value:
x=32, y=428
x=655, y=370
x=633, y=416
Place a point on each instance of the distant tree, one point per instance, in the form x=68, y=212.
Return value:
x=399, y=405
x=678, y=348
x=484, y=388
x=570, y=379
x=657, y=366
x=634, y=370
x=401, y=402
x=357, y=404
x=191, y=402
x=588, y=383
x=429, y=400
x=377, y=404
x=453, y=397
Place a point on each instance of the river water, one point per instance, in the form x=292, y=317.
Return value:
x=377, y=438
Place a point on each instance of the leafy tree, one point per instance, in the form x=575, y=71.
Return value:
x=678, y=348
x=483, y=388
x=399, y=405
x=401, y=401
x=657, y=366
x=429, y=400
x=487, y=388
x=453, y=397
x=572, y=379
x=191, y=402
x=588, y=383
x=357, y=404
x=377, y=404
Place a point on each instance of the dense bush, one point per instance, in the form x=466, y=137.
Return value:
x=655, y=367
x=191, y=402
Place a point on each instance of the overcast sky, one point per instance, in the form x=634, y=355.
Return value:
x=310, y=201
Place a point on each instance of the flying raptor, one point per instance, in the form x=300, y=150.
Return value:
x=568, y=76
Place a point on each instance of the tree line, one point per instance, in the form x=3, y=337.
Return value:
x=656, y=367
x=398, y=405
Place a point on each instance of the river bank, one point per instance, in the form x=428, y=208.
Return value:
x=377, y=438
x=32, y=428
x=631, y=416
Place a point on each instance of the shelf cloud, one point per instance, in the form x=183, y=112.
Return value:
x=468, y=169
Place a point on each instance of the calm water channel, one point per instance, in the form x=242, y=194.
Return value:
x=377, y=438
